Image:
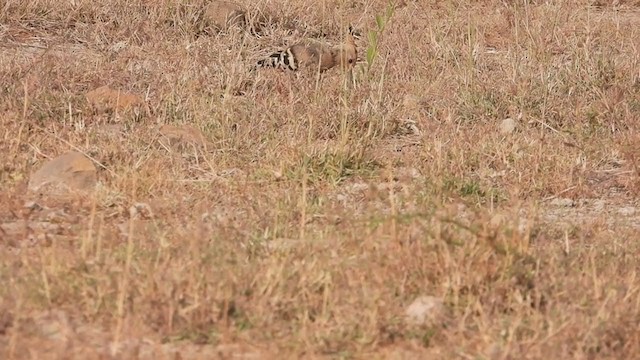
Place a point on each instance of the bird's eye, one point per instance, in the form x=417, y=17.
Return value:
x=350, y=61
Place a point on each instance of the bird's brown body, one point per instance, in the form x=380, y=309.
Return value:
x=315, y=56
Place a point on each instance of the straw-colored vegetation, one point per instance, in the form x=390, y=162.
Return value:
x=484, y=153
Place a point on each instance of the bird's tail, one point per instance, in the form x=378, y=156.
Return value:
x=280, y=60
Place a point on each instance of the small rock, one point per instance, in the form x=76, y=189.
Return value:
x=54, y=325
x=119, y=46
x=67, y=173
x=562, y=202
x=627, y=211
x=426, y=310
x=179, y=136
x=598, y=205
x=225, y=14
x=105, y=98
x=32, y=205
x=507, y=126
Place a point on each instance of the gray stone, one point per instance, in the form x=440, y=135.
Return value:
x=627, y=211
x=425, y=310
x=67, y=173
x=507, y=126
x=562, y=202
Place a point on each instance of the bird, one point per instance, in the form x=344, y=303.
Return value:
x=313, y=55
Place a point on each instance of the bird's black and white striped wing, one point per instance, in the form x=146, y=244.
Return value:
x=285, y=59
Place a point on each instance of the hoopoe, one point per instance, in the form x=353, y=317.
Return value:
x=314, y=56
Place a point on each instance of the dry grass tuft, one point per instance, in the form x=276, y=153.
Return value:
x=276, y=215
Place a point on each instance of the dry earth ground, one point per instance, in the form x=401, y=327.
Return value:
x=487, y=157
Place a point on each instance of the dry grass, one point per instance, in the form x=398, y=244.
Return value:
x=315, y=212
